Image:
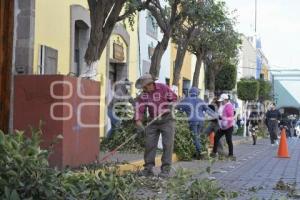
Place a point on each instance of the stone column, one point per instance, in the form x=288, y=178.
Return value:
x=24, y=36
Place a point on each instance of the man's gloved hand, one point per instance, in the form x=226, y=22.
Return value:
x=140, y=129
x=220, y=117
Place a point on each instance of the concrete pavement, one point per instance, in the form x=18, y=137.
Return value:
x=256, y=171
x=135, y=161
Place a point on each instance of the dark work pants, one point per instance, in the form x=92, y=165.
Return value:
x=165, y=127
x=273, y=130
x=196, y=128
x=228, y=135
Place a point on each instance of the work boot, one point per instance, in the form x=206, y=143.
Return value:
x=164, y=174
x=164, y=171
x=146, y=172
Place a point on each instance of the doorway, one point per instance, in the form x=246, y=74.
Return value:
x=6, y=49
x=81, y=39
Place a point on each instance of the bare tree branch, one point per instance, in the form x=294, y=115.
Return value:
x=158, y=17
x=142, y=6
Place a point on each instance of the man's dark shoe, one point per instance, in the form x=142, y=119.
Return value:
x=145, y=172
x=164, y=174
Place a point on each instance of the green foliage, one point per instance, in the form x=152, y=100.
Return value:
x=265, y=89
x=216, y=41
x=226, y=78
x=124, y=111
x=183, y=146
x=24, y=169
x=199, y=190
x=124, y=131
x=240, y=131
x=25, y=174
x=262, y=131
x=248, y=90
x=131, y=9
x=195, y=189
x=100, y=185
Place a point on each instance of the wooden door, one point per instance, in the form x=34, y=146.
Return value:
x=6, y=48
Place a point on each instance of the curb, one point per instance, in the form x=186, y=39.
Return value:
x=137, y=165
x=241, y=141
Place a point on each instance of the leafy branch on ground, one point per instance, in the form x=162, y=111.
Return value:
x=124, y=131
x=183, y=145
x=290, y=188
x=195, y=189
x=25, y=174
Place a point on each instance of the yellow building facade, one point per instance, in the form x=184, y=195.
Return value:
x=62, y=30
x=59, y=24
x=187, y=72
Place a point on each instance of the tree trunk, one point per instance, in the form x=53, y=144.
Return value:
x=158, y=53
x=197, y=69
x=104, y=16
x=180, y=54
x=163, y=44
x=211, y=79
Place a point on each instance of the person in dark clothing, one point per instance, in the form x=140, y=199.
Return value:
x=285, y=123
x=121, y=97
x=213, y=126
x=157, y=99
x=238, y=121
x=252, y=124
x=226, y=122
x=195, y=108
x=272, y=118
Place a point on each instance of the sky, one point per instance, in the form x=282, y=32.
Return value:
x=278, y=26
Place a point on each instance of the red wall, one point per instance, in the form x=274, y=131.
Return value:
x=34, y=98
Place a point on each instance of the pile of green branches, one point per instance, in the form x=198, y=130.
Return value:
x=183, y=146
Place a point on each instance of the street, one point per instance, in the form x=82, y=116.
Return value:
x=256, y=171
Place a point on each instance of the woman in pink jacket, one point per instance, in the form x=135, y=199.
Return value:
x=226, y=122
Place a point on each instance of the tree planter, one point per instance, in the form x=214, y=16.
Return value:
x=66, y=105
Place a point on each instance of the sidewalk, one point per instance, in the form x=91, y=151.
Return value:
x=256, y=171
x=134, y=161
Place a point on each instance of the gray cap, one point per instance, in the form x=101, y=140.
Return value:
x=144, y=80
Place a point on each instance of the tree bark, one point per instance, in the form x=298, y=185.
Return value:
x=180, y=55
x=197, y=69
x=104, y=16
x=211, y=79
x=167, y=27
x=158, y=54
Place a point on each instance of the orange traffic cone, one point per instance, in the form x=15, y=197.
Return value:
x=211, y=139
x=283, y=147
